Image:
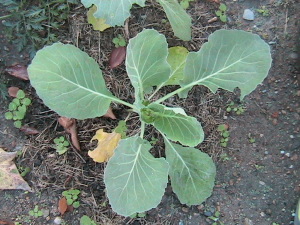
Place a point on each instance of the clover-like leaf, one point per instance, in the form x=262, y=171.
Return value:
x=135, y=180
x=230, y=59
x=114, y=12
x=66, y=79
x=146, y=61
x=192, y=173
x=177, y=126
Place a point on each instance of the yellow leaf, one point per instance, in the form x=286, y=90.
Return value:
x=98, y=23
x=9, y=174
x=107, y=143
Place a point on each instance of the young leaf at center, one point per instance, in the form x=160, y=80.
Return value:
x=177, y=126
x=146, y=61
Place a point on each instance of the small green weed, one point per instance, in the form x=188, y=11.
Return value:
x=216, y=218
x=263, y=10
x=119, y=41
x=23, y=170
x=153, y=141
x=138, y=215
x=85, y=220
x=221, y=13
x=72, y=196
x=223, y=129
x=251, y=138
x=232, y=107
x=61, y=145
x=18, y=108
x=224, y=157
x=36, y=212
x=259, y=167
x=33, y=24
x=185, y=3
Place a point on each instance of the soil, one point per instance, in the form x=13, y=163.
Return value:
x=257, y=183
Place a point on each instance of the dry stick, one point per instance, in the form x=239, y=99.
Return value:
x=286, y=21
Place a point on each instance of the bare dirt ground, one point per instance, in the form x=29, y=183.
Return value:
x=257, y=183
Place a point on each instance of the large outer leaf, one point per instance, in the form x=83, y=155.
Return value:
x=230, y=59
x=177, y=126
x=134, y=179
x=115, y=12
x=69, y=82
x=180, y=21
x=146, y=61
x=192, y=173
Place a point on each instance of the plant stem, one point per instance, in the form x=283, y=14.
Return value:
x=156, y=90
x=172, y=93
x=6, y=16
x=142, y=129
x=123, y=102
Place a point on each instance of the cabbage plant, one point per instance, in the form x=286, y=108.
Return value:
x=71, y=83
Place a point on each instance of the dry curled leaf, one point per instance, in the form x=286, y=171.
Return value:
x=107, y=143
x=12, y=91
x=6, y=222
x=117, y=56
x=18, y=71
x=62, y=205
x=9, y=174
x=29, y=130
x=110, y=114
x=70, y=127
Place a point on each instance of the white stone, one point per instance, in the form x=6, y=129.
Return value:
x=248, y=15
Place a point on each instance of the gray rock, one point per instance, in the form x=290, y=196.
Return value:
x=248, y=15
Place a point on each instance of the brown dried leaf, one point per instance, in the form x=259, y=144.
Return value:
x=110, y=114
x=29, y=130
x=18, y=71
x=70, y=127
x=62, y=205
x=9, y=174
x=6, y=222
x=12, y=91
x=117, y=56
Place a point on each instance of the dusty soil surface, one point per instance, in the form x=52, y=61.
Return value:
x=257, y=183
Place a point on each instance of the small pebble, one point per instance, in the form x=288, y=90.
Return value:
x=262, y=183
x=288, y=154
x=248, y=15
x=291, y=167
x=293, y=55
x=248, y=221
x=208, y=213
x=57, y=220
x=184, y=209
